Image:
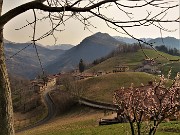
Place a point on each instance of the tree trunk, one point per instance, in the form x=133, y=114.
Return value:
x=132, y=128
x=139, y=128
x=6, y=110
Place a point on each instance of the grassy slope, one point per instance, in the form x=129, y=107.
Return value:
x=175, y=68
x=133, y=59
x=84, y=121
x=102, y=88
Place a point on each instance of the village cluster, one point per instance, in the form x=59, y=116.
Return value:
x=39, y=85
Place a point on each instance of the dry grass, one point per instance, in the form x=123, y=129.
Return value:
x=84, y=121
x=63, y=100
x=77, y=114
x=29, y=118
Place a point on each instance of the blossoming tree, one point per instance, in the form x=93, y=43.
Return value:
x=58, y=12
x=152, y=103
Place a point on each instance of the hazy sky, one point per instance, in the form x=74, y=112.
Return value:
x=74, y=31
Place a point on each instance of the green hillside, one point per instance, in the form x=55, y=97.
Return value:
x=175, y=68
x=102, y=88
x=84, y=121
x=134, y=59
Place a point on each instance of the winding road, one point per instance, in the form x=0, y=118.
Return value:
x=51, y=111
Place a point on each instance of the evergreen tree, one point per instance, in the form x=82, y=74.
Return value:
x=81, y=66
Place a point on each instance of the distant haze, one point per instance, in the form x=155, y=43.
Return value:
x=26, y=64
x=62, y=47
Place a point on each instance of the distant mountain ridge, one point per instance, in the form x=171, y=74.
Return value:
x=61, y=46
x=169, y=42
x=91, y=48
x=96, y=46
x=130, y=40
x=26, y=63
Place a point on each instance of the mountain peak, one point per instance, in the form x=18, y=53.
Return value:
x=100, y=35
x=100, y=38
x=91, y=48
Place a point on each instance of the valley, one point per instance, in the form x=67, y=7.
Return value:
x=89, y=67
x=110, y=65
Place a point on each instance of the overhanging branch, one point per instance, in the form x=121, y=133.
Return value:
x=39, y=5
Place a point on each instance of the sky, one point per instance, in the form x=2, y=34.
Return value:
x=74, y=32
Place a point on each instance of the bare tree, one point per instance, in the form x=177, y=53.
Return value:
x=58, y=12
x=153, y=103
x=73, y=86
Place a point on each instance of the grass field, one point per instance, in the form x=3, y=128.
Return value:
x=84, y=121
x=175, y=68
x=134, y=59
x=102, y=88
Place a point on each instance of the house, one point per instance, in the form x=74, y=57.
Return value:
x=87, y=75
x=120, y=68
x=148, y=69
x=148, y=66
x=100, y=72
x=81, y=76
x=149, y=61
x=51, y=80
x=38, y=85
x=38, y=88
